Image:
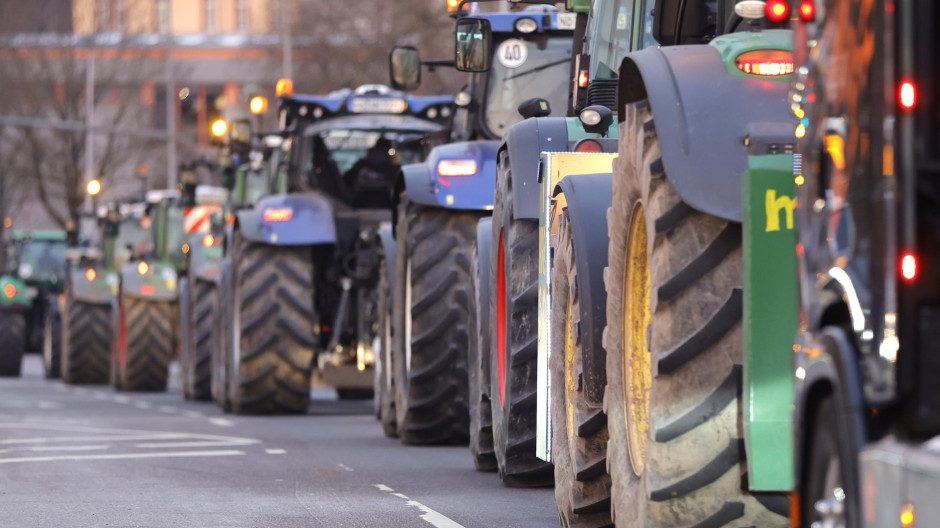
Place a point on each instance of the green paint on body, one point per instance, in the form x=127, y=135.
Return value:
x=21, y=299
x=770, y=320
x=732, y=45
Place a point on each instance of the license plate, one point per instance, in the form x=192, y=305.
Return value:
x=566, y=20
x=32, y=292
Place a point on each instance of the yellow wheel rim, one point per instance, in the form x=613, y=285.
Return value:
x=637, y=364
x=570, y=379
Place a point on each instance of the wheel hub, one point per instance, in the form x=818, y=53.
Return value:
x=637, y=363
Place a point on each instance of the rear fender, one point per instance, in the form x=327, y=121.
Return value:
x=311, y=221
x=158, y=284
x=702, y=112
x=97, y=291
x=525, y=142
x=475, y=192
x=588, y=198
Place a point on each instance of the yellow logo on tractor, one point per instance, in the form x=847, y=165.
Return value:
x=773, y=205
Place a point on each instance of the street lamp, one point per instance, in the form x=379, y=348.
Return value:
x=93, y=187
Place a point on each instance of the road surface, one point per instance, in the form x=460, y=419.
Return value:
x=90, y=456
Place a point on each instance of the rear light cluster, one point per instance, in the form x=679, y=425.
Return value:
x=765, y=63
x=908, y=266
x=208, y=241
x=91, y=274
x=281, y=214
x=457, y=167
x=143, y=267
x=589, y=146
x=777, y=11
x=807, y=10
x=907, y=95
x=10, y=291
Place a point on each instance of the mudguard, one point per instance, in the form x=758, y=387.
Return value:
x=475, y=192
x=204, y=262
x=97, y=291
x=311, y=221
x=702, y=112
x=588, y=198
x=484, y=242
x=525, y=142
x=158, y=284
x=387, y=237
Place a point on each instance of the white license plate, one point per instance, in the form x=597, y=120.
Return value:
x=566, y=20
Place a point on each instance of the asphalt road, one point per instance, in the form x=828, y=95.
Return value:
x=73, y=456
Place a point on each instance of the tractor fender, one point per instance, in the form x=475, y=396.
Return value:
x=474, y=192
x=387, y=237
x=158, y=284
x=97, y=291
x=484, y=243
x=525, y=142
x=702, y=113
x=835, y=371
x=588, y=198
x=311, y=221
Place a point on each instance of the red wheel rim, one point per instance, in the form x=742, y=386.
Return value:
x=501, y=320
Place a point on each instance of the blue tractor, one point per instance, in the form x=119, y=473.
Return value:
x=302, y=265
x=423, y=389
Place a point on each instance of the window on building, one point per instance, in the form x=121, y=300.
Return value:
x=210, y=16
x=104, y=15
x=163, y=16
x=242, y=15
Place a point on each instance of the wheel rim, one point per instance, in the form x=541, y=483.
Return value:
x=637, y=364
x=408, y=316
x=570, y=386
x=501, y=320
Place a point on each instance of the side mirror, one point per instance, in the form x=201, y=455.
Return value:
x=474, y=38
x=404, y=66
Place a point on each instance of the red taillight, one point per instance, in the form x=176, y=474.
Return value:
x=461, y=167
x=807, y=10
x=908, y=266
x=588, y=145
x=907, y=95
x=10, y=291
x=281, y=214
x=765, y=63
x=147, y=290
x=777, y=11
x=583, y=79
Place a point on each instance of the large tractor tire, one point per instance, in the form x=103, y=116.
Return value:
x=196, y=363
x=674, y=352
x=579, y=430
x=514, y=332
x=430, y=310
x=13, y=338
x=220, y=359
x=478, y=380
x=384, y=383
x=86, y=342
x=273, y=329
x=52, y=344
x=148, y=345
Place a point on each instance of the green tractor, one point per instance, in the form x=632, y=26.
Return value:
x=144, y=312
x=28, y=304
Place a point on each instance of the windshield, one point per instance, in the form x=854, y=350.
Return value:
x=612, y=38
x=357, y=166
x=523, y=69
x=42, y=261
x=133, y=240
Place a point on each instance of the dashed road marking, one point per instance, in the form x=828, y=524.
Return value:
x=275, y=451
x=221, y=422
x=122, y=456
x=167, y=409
x=428, y=515
x=100, y=396
x=194, y=414
x=143, y=405
x=120, y=398
x=345, y=467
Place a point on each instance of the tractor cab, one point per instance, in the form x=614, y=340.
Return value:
x=154, y=249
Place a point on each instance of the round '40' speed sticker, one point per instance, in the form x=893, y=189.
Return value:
x=512, y=53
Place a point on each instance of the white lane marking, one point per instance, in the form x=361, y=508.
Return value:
x=428, y=515
x=107, y=434
x=194, y=414
x=143, y=405
x=221, y=422
x=68, y=448
x=100, y=396
x=160, y=445
x=97, y=438
x=344, y=466
x=59, y=388
x=167, y=409
x=45, y=405
x=177, y=454
x=275, y=451
x=120, y=398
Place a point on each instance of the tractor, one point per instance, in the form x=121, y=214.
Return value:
x=867, y=408
x=641, y=336
x=300, y=276
x=144, y=311
x=440, y=202
x=28, y=306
